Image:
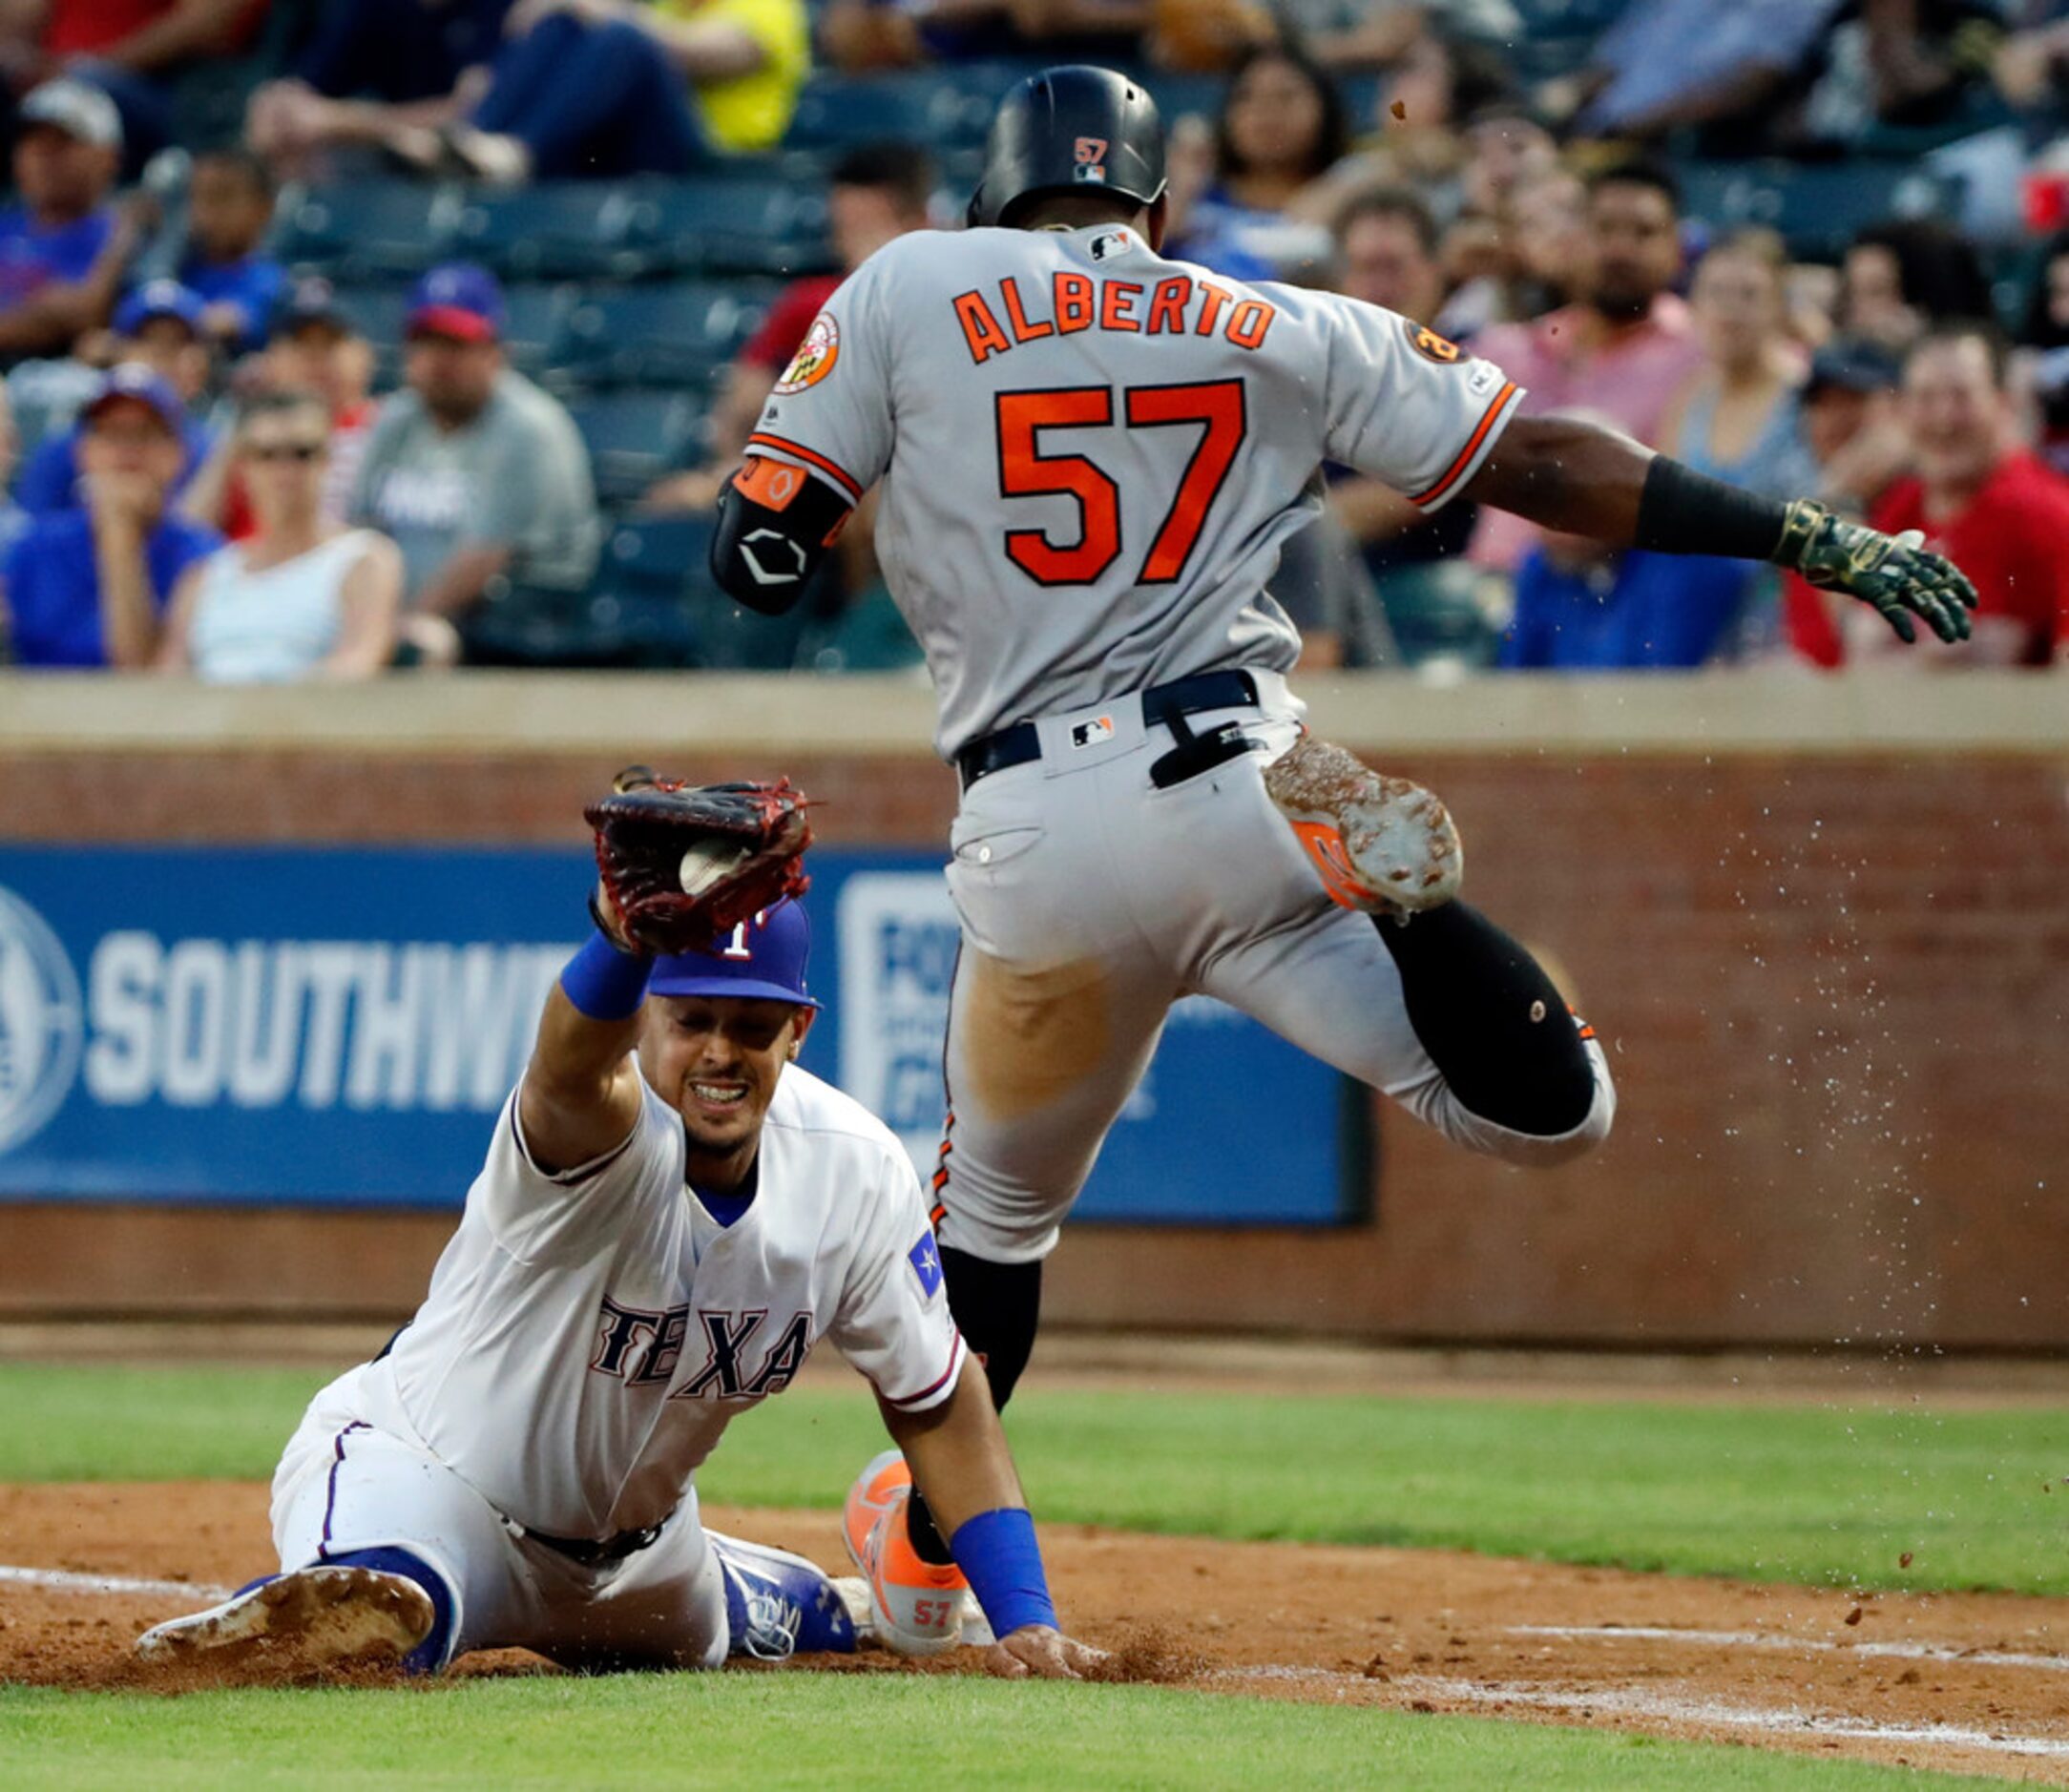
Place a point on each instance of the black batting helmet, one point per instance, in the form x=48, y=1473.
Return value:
x=1065, y=130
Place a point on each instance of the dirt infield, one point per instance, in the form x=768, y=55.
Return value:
x=1975, y=1682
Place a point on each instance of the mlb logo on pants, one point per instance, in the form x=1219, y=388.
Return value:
x=1091, y=733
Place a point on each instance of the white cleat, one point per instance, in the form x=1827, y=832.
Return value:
x=307, y=1620
x=1382, y=845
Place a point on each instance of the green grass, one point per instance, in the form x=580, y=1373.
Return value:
x=820, y=1731
x=1809, y=1492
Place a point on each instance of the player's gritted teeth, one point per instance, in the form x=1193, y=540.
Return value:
x=719, y=1060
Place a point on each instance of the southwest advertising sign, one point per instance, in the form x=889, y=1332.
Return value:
x=340, y=1026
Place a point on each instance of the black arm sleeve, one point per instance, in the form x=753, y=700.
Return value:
x=1684, y=511
x=763, y=558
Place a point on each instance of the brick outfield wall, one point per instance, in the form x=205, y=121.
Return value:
x=1833, y=989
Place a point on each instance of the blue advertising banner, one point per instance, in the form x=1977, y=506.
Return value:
x=316, y=1026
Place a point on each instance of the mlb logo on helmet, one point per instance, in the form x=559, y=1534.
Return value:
x=1090, y=158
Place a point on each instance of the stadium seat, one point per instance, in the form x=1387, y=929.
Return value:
x=937, y=109
x=530, y=627
x=1571, y=19
x=364, y=231
x=1819, y=208
x=732, y=639
x=634, y=437
x=2015, y=269
x=659, y=554
x=1559, y=36
x=679, y=334
x=652, y=629
x=556, y=230
x=656, y=605
x=760, y=222
x=1434, y=613
x=869, y=635
x=538, y=316
x=377, y=313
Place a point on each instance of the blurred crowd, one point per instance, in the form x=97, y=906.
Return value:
x=212, y=467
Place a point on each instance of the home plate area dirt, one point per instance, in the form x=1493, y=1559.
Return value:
x=1974, y=1681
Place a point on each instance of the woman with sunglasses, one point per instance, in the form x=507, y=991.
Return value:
x=300, y=598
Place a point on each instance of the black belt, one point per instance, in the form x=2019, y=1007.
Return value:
x=600, y=1552
x=1165, y=704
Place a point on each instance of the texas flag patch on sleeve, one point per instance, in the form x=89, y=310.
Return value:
x=925, y=1262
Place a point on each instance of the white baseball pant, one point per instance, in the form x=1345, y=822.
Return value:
x=1090, y=900
x=344, y=1486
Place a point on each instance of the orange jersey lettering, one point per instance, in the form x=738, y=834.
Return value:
x=1167, y=306
x=1252, y=317
x=1022, y=330
x=981, y=328
x=1116, y=305
x=1073, y=303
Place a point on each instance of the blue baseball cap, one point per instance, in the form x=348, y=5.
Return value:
x=131, y=379
x=158, y=298
x=311, y=301
x=458, y=300
x=761, y=960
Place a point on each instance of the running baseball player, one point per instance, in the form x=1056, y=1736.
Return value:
x=1091, y=456
x=670, y=1214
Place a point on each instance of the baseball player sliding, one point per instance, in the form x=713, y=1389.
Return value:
x=1090, y=457
x=670, y=1214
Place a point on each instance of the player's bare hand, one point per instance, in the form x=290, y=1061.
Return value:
x=1037, y=1651
x=1897, y=575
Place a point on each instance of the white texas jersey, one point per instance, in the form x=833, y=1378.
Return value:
x=1090, y=455
x=588, y=1336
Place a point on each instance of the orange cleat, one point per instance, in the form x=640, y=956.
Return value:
x=1380, y=845
x=916, y=1607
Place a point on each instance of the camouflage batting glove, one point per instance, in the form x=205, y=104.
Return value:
x=1896, y=573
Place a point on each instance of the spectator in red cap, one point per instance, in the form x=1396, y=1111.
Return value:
x=479, y=477
x=89, y=587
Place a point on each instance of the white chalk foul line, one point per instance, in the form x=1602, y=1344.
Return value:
x=1772, y=1640
x=1625, y=1703
x=1622, y=1701
x=63, y=1580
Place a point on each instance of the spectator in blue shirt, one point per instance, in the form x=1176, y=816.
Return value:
x=87, y=588
x=62, y=247
x=158, y=325
x=229, y=210
x=1580, y=606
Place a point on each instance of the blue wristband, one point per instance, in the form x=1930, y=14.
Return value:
x=1000, y=1557
x=605, y=983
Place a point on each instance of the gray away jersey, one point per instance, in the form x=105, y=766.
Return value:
x=1090, y=455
